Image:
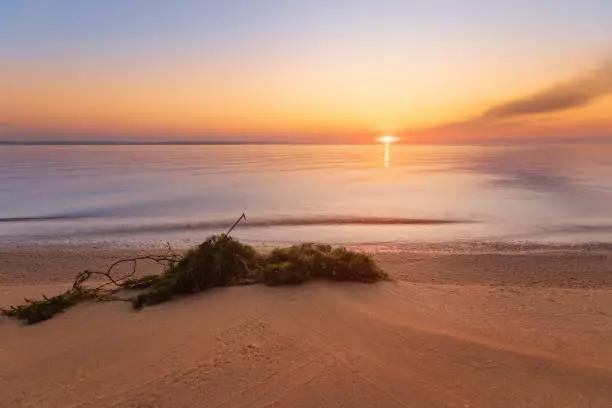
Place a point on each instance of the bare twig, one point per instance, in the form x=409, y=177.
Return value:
x=164, y=260
x=235, y=224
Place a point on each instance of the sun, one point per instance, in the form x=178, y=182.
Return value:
x=387, y=139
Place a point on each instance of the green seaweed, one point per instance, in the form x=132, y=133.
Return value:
x=304, y=262
x=222, y=261
x=36, y=311
x=219, y=261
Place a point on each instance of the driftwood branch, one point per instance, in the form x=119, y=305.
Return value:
x=165, y=260
x=34, y=311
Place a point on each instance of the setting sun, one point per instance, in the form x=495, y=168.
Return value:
x=388, y=139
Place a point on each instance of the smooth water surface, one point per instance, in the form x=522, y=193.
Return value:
x=340, y=194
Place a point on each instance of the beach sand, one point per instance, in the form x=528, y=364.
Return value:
x=456, y=328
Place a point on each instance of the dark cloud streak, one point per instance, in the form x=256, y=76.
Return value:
x=579, y=92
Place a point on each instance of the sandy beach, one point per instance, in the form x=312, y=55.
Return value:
x=497, y=327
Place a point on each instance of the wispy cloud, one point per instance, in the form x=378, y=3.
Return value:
x=513, y=118
x=576, y=93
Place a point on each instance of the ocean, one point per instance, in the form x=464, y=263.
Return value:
x=293, y=193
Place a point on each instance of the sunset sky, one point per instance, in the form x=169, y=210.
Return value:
x=431, y=71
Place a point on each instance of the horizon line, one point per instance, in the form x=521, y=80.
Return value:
x=143, y=143
x=467, y=142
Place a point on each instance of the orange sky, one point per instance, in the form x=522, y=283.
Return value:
x=344, y=89
x=292, y=99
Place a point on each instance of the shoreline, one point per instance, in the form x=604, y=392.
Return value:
x=473, y=263
x=492, y=264
x=473, y=245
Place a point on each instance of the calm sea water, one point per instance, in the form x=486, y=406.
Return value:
x=338, y=194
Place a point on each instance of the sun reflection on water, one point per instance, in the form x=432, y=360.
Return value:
x=387, y=148
x=387, y=140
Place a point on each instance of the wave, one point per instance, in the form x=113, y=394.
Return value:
x=263, y=222
x=58, y=217
x=222, y=225
x=40, y=218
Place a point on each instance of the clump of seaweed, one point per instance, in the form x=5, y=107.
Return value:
x=35, y=311
x=300, y=263
x=217, y=262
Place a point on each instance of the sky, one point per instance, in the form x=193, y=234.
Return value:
x=337, y=71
